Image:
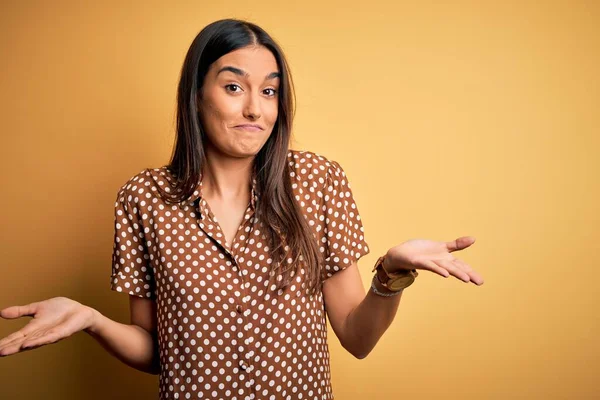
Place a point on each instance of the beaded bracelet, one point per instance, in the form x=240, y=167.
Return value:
x=377, y=292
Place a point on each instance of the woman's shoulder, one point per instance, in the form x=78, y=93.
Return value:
x=143, y=184
x=308, y=157
x=308, y=165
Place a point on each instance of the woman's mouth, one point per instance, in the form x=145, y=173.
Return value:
x=249, y=128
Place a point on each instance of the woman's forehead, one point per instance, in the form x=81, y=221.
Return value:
x=252, y=61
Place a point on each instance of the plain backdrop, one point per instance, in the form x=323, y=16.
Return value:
x=450, y=118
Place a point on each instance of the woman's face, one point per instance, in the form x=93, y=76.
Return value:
x=238, y=102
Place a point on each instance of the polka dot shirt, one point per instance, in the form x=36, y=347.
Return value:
x=223, y=331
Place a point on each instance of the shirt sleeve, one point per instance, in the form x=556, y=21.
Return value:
x=343, y=230
x=131, y=269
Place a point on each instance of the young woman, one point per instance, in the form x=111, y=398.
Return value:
x=234, y=254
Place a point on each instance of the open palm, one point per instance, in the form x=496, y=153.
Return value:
x=433, y=256
x=53, y=320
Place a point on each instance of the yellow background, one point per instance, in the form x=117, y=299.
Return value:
x=471, y=118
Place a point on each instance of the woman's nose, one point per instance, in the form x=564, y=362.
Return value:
x=252, y=107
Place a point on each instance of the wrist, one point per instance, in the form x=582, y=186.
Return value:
x=386, y=264
x=379, y=286
x=391, y=281
x=389, y=267
x=393, y=269
x=381, y=290
x=95, y=321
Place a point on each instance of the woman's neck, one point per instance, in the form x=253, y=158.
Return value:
x=226, y=178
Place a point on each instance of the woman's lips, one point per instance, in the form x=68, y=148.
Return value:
x=249, y=128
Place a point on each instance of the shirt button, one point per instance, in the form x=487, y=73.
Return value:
x=243, y=365
x=238, y=308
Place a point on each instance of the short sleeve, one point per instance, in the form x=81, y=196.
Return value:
x=343, y=231
x=131, y=269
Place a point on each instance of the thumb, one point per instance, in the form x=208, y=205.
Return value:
x=19, y=311
x=461, y=243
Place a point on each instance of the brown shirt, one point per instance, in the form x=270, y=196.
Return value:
x=223, y=331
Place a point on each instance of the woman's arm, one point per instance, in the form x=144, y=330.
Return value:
x=58, y=318
x=358, y=321
x=135, y=345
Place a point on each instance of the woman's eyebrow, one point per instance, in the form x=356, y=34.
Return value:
x=240, y=72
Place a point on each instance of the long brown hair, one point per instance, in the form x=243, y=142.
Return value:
x=290, y=239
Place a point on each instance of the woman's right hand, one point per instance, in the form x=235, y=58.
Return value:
x=53, y=320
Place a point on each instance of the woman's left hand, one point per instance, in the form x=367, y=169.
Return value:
x=433, y=256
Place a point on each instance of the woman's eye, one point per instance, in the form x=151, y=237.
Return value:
x=232, y=86
x=272, y=93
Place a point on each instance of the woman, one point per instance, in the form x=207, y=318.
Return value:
x=234, y=253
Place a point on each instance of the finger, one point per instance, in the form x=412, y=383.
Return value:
x=453, y=269
x=11, y=348
x=18, y=340
x=16, y=345
x=431, y=266
x=19, y=311
x=10, y=338
x=459, y=244
x=27, y=330
x=475, y=277
x=51, y=336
